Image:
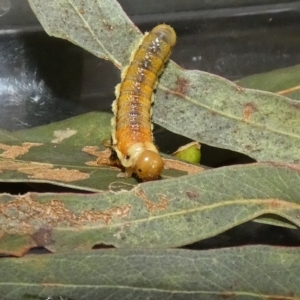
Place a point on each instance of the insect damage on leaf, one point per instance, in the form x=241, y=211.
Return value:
x=60, y=135
x=93, y=150
x=43, y=171
x=42, y=237
x=15, y=151
x=182, y=166
x=102, y=157
x=182, y=85
x=162, y=204
x=249, y=108
x=24, y=215
x=239, y=89
x=192, y=194
x=120, y=186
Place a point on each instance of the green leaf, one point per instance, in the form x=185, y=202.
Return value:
x=259, y=272
x=275, y=220
x=64, y=153
x=198, y=105
x=283, y=81
x=100, y=27
x=6, y=136
x=215, y=111
x=56, y=154
x=84, y=130
x=158, y=214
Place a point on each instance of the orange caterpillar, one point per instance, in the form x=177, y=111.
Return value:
x=132, y=139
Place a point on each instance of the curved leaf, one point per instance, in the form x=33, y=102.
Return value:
x=198, y=105
x=241, y=273
x=159, y=214
x=212, y=110
x=100, y=27
x=55, y=154
x=283, y=81
x=65, y=153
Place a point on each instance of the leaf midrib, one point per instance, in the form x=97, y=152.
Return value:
x=229, y=116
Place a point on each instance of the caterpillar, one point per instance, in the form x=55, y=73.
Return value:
x=132, y=138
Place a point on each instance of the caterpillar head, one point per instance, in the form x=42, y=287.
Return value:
x=149, y=165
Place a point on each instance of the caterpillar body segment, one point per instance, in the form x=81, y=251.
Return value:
x=132, y=138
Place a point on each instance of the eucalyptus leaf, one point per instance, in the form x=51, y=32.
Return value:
x=276, y=221
x=55, y=154
x=160, y=214
x=100, y=27
x=259, y=272
x=65, y=153
x=6, y=136
x=283, y=81
x=198, y=105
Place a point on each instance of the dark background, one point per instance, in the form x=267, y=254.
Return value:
x=45, y=79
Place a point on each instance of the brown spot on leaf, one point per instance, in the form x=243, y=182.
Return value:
x=42, y=237
x=192, y=194
x=43, y=171
x=249, y=108
x=182, y=85
x=284, y=165
x=181, y=166
x=276, y=297
x=280, y=204
x=15, y=151
x=24, y=215
x=228, y=296
x=103, y=158
x=93, y=150
x=106, y=217
x=295, y=104
x=152, y=206
x=92, y=163
x=239, y=89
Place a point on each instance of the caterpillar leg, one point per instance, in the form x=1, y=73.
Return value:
x=127, y=174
